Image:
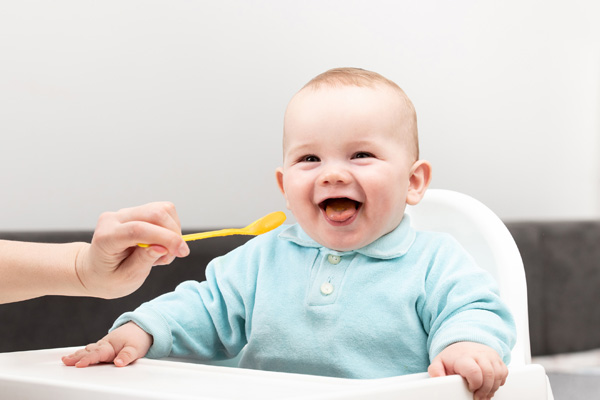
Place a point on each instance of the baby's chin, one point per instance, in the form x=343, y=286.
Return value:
x=343, y=244
x=349, y=238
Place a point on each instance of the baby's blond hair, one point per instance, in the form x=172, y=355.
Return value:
x=362, y=78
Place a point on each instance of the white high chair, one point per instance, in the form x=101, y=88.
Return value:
x=481, y=232
x=35, y=374
x=489, y=242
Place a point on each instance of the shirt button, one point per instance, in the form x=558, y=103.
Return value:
x=333, y=259
x=326, y=288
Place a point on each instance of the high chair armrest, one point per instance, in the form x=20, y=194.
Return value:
x=35, y=374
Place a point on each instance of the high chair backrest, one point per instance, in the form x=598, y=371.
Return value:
x=487, y=239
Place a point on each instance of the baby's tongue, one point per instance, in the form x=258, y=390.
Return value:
x=340, y=210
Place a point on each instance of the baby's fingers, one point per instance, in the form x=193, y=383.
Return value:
x=436, y=368
x=471, y=371
x=500, y=375
x=95, y=353
x=126, y=356
x=488, y=381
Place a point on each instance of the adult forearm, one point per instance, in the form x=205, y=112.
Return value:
x=29, y=270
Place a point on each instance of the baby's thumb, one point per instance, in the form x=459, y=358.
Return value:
x=126, y=356
x=436, y=369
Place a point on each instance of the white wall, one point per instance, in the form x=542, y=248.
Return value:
x=114, y=103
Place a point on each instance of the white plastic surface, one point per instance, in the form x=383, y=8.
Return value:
x=41, y=374
x=486, y=238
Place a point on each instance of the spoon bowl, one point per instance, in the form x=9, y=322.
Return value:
x=258, y=227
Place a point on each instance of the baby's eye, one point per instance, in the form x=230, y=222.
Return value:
x=310, y=158
x=363, y=154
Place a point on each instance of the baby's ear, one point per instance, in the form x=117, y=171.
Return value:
x=418, y=181
x=279, y=177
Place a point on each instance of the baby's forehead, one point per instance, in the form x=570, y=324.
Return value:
x=311, y=98
x=378, y=98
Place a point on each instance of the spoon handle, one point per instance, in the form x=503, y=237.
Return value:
x=209, y=234
x=205, y=235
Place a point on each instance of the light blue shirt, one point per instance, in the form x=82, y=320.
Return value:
x=383, y=310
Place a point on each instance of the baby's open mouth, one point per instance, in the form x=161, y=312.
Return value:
x=340, y=209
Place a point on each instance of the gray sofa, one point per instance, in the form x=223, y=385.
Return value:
x=562, y=265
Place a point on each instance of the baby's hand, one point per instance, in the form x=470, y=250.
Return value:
x=122, y=346
x=480, y=365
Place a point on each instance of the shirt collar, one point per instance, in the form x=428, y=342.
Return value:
x=391, y=245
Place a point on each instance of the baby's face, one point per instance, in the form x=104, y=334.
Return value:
x=347, y=166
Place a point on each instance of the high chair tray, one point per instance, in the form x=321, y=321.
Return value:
x=41, y=374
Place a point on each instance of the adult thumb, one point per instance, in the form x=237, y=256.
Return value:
x=149, y=256
x=154, y=253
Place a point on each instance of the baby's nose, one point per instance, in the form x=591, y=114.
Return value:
x=334, y=175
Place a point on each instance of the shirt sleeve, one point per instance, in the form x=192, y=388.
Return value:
x=205, y=319
x=462, y=304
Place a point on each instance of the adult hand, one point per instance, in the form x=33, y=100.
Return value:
x=114, y=265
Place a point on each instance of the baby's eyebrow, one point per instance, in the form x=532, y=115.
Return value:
x=362, y=143
x=298, y=149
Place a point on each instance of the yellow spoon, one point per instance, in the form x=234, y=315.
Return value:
x=258, y=227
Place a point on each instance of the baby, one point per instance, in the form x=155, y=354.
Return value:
x=351, y=290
